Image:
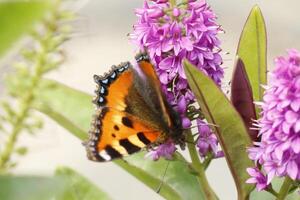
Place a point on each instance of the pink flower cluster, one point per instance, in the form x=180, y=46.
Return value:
x=172, y=33
x=278, y=152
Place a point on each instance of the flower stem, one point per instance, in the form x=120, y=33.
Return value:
x=197, y=165
x=285, y=188
x=48, y=43
x=18, y=124
x=271, y=190
x=207, y=161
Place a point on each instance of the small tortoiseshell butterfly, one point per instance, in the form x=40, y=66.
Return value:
x=132, y=112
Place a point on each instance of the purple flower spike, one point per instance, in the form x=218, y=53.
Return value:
x=257, y=178
x=169, y=39
x=165, y=150
x=278, y=152
x=172, y=33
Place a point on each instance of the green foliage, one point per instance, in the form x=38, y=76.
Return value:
x=230, y=128
x=17, y=18
x=30, y=187
x=252, y=50
x=179, y=177
x=65, y=185
x=44, y=55
x=73, y=109
x=78, y=187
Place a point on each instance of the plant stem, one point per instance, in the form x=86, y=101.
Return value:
x=272, y=191
x=17, y=125
x=285, y=188
x=26, y=99
x=197, y=165
x=207, y=161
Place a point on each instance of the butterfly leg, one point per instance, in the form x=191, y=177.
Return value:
x=163, y=178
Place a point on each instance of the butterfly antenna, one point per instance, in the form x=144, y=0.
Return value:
x=163, y=178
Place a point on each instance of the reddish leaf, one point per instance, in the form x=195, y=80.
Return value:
x=242, y=97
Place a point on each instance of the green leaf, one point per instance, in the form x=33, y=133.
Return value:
x=179, y=177
x=30, y=187
x=78, y=186
x=242, y=97
x=72, y=109
x=230, y=128
x=17, y=18
x=252, y=50
x=66, y=185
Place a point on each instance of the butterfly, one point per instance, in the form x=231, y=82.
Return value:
x=132, y=112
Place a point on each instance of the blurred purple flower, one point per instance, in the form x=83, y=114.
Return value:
x=257, y=178
x=173, y=33
x=165, y=150
x=279, y=149
x=207, y=140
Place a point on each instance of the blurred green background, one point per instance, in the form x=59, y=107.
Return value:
x=99, y=40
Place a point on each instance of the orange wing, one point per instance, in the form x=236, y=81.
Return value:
x=115, y=132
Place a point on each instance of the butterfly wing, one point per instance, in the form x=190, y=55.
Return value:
x=119, y=135
x=116, y=132
x=132, y=112
x=156, y=98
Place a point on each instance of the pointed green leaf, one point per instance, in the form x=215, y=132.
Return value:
x=73, y=110
x=230, y=128
x=78, y=187
x=242, y=97
x=17, y=18
x=252, y=50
